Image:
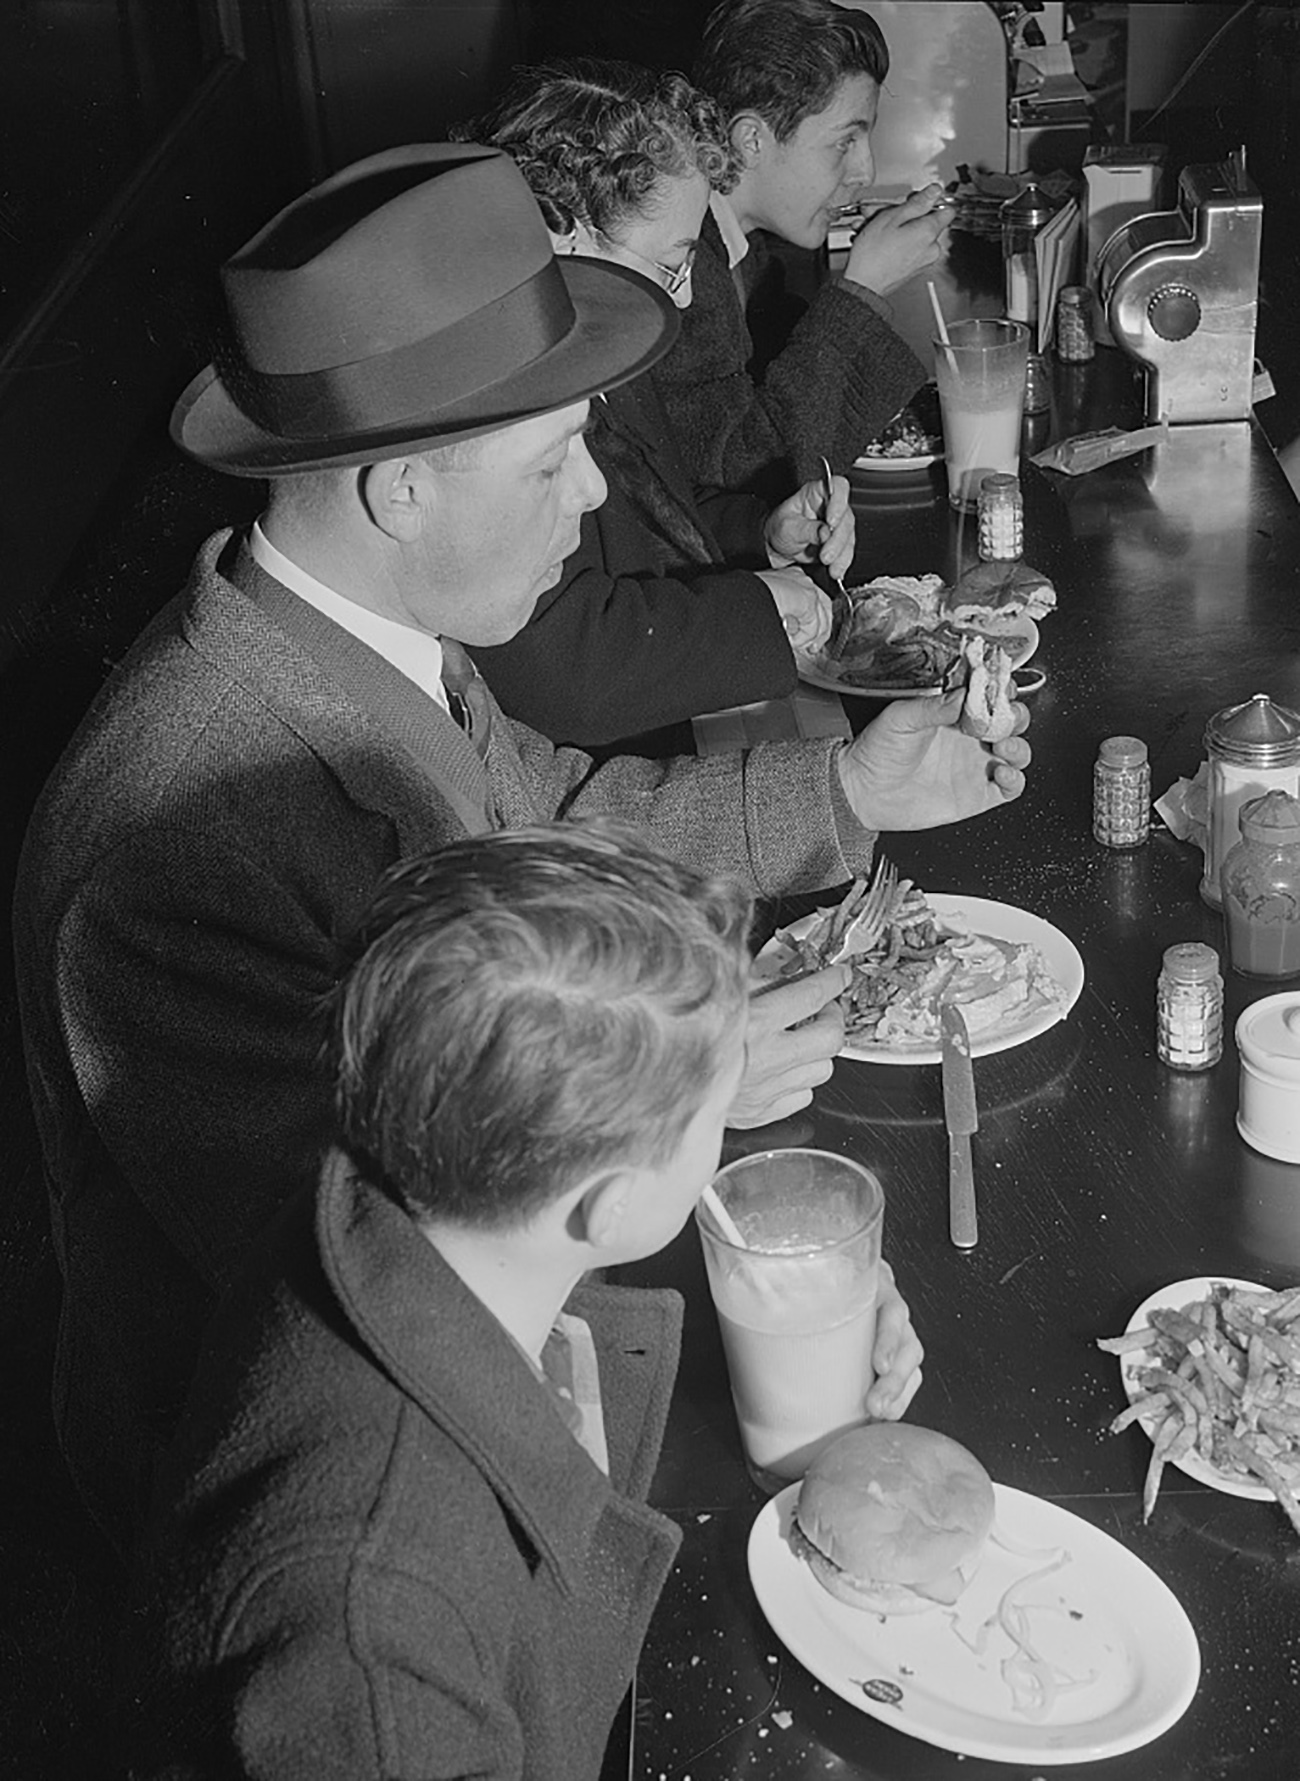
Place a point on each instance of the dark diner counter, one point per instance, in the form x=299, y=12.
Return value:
x=1100, y=1174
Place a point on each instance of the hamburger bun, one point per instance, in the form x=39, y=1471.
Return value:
x=893, y=1518
x=992, y=596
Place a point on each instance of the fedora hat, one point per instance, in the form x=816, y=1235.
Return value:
x=409, y=301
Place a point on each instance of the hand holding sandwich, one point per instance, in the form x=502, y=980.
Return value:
x=913, y=768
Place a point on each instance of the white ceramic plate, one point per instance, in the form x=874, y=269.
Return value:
x=895, y=465
x=1173, y=1298
x=1000, y=921
x=1103, y=1615
x=813, y=676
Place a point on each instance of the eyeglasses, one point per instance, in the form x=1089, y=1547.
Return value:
x=672, y=278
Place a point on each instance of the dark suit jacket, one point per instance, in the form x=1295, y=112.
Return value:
x=659, y=616
x=220, y=818
x=380, y=1553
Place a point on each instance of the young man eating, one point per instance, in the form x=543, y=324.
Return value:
x=755, y=402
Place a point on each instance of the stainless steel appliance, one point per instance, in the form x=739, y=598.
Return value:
x=1179, y=291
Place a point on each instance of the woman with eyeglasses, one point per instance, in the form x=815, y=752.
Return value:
x=679, y=599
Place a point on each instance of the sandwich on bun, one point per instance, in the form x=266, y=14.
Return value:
x=988, y=711
x=991, y=597
x=893, y=1518
x=912, y=630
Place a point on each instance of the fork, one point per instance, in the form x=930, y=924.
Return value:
x=828, y=490
x=873, y=914
x=863, y=930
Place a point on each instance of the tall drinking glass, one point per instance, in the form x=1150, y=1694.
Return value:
x=797, y=1304
x=980, y=372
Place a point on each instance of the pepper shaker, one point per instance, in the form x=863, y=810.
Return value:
x=1121, y=793
x=1189, y=1008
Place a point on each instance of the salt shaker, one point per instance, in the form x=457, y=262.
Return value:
x=1001, y=519
x=1074, y=341
x=1252, y=748
x=1121, y=793
x=1189, y=1008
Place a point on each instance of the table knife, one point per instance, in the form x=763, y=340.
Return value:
x=961, y=1119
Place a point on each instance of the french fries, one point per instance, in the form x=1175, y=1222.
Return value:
x=1220, y=1377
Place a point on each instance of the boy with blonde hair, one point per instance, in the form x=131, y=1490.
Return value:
x=403, y=1530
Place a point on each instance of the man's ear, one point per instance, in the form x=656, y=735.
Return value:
x=750, y=136
x=399, y=496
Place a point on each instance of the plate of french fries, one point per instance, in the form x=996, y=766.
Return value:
x=1211, y=1367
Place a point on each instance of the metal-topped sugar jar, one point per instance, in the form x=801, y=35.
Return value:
x=1252, y=748
x=1021, y=217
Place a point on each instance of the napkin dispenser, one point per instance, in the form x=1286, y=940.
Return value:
x=1179, y=290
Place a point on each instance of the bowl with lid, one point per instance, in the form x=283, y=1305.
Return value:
x=1268, y=1106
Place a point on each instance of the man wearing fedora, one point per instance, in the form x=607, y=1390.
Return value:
x=410, y=368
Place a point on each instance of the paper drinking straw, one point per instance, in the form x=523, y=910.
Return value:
x=722, y=1218
x=940, y=323
x=982, y=432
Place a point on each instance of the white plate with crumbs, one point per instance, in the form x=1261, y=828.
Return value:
x=878, y=461
x=1175, y=1297
x=1117, y=1659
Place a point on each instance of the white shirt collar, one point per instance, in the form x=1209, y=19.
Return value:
x=734, y=238
x=417, y=654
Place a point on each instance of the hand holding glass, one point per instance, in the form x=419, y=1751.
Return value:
x=797, y=1303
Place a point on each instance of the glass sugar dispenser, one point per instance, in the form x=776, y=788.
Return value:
x=1189, y=1007
x=1252, y=748
x=1020, y=218
x=1260, y=880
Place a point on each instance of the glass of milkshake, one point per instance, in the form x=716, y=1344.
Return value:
x=796, y=1303
x=980, y=371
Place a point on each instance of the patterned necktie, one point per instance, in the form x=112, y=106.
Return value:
x=466, y=695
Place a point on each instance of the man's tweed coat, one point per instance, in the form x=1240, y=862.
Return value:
x=219, y=819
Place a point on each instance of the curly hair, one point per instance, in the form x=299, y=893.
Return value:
x=593, y=139
x=526, y=1007
x=784, y=59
